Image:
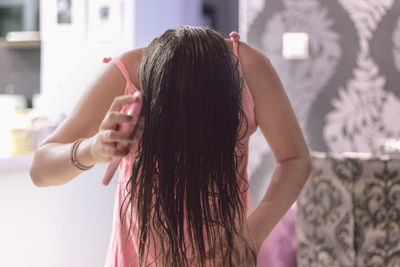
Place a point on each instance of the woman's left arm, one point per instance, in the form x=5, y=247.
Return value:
x=277, y=121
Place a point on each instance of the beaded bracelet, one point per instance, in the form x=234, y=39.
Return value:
x=73, y=159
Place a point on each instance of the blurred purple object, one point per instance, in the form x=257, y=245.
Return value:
x=279, y=250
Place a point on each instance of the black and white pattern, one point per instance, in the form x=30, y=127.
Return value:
x=396, y=45
x=303, y=79
x=254, y=9
x=346, y=95
x=249, y=10
x=348, y=213
x=324, y=226
x=363, y=113
x=344, y=102
x=347, y=98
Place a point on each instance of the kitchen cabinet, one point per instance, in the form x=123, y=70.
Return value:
x=68, y=225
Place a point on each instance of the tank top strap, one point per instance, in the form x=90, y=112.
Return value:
x=235, y=41
x=121, y=67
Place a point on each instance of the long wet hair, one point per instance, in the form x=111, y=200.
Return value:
x=185, y=188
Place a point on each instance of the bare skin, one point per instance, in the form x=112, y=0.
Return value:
x=98, y=110
x=277, y=121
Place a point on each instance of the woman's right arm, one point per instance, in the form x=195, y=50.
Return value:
x=277, y=121
x=93, y=118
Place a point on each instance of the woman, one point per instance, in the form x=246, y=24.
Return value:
x=182, y=197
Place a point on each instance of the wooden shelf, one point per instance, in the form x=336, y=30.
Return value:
x=20, y=44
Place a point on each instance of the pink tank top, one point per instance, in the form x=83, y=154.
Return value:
x=122, y=253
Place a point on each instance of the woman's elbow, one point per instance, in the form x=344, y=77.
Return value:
x=304, y=167
x=36, y=172
x=35, y=177
x=307, y=164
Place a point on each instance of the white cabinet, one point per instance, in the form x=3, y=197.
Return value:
x=62, y=226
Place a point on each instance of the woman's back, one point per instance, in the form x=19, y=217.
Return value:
x=123, y=252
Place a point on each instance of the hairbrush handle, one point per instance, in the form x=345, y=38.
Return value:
x=112, y=167
x=131, y=109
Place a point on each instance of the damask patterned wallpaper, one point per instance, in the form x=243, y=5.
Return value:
x=347, y=94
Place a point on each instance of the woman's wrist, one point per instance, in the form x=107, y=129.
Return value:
x=83, y=153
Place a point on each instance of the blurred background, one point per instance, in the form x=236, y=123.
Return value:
x=339, y=64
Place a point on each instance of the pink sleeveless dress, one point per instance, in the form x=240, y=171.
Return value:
x=122, y=253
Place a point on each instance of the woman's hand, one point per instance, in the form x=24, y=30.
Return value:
x=109, y=142
x=241, y=251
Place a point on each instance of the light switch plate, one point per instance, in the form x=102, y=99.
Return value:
x=295, y=45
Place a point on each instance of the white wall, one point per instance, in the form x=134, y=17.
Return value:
x=71, y=59
x=153, y=17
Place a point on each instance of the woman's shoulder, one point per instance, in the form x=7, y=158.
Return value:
x=131, y=60
x=250, y=57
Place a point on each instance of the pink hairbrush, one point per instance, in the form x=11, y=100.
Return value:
x=133, y=109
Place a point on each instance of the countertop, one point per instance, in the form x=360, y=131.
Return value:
x=16, y=163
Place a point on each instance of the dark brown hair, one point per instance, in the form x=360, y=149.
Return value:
x=184, y=188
